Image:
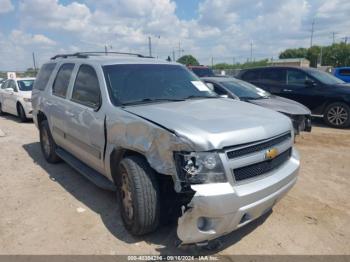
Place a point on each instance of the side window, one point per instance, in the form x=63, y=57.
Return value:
x=61, y=83
x=344, y=72
x=86, y=88
x=4, y=85
x=12, y=85
x=276, y=76
x=251, y=75
x=44, y=76
x=295, y=77
x=219, y=90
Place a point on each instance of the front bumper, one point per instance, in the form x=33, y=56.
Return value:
x=218, y=209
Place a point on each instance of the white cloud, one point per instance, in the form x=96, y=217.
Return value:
x=6, y=6
x=222, y=28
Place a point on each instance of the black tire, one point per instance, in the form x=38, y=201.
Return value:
x=48, y=145
x=21, y=113
x=143, y=190
x=337, y=115
x=1, y=112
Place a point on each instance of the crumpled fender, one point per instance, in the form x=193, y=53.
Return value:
x=156, y=143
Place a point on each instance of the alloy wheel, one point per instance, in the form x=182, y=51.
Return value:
x=337, y=115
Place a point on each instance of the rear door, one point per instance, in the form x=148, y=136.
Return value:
x=344, y=74
x=272, y=80
x=85, y=131
x=56, y=104
x=10, y=98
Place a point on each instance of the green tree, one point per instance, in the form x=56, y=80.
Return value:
x=188, y=60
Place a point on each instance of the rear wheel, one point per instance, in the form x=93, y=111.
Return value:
x=22, y=113
x=48, y=145
x=138, y=195
x=337, y=115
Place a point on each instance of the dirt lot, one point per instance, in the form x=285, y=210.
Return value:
x=51, y=209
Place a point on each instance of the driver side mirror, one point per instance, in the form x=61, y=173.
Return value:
x=310, y=83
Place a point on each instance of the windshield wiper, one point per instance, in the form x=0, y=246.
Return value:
x=201, y=97
x=149, y=100
x=250, y=98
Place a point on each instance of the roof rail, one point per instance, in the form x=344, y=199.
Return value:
x=87, y=54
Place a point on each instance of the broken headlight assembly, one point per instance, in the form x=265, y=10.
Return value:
x=200, y=168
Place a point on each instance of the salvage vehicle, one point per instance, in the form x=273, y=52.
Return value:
x=152, y=131
x=325, y=95
x=238, y=89
x=15, y=97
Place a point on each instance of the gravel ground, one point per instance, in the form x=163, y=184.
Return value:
x=51, y=209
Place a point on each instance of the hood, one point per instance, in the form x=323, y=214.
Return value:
x=282, y=105
x=215, y=123
x=26, y=94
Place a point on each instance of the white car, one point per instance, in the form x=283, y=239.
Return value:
x=16, y=97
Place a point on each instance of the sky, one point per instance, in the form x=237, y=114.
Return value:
x=211, y=30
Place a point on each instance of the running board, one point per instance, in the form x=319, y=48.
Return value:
x=89, y=173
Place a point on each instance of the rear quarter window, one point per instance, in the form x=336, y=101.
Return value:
x=60, y=86
x=44, y=76
x=251, y=75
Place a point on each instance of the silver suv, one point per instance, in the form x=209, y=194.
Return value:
x=170, y=147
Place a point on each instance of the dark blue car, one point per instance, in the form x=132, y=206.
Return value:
x=342, y=73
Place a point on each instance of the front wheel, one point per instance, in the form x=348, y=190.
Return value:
x=22, y=113
x=337, y=115
x=138, y=195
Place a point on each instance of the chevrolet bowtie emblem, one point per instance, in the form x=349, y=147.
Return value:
x=271, y=153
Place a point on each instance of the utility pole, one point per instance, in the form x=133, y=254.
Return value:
x=34, y=62
x=150, y=45
x=251, y=51
x=180, y=50
x=173, y=55
x=334, y=33
x=321, y=55
x=212, y=62
x=312, y=32
x=106, y=49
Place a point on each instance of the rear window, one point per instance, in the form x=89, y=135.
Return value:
x=344, y=72
x=202, y=72
x=44, y=76
x=273, y=75
x=61, y=83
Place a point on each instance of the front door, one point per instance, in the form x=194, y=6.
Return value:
x=85, y=131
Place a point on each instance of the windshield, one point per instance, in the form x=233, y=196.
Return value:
x=202, y=72
x=245, y=90
x=25, y=85
x=134, y=83
x=325, y=78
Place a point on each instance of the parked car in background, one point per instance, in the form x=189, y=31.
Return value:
x=15, y=97
x=241, y=90
x=324, y=94
x=201, y=71
x=342, y=73
x=158, y=135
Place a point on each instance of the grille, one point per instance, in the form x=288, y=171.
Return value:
x=262, y=167
x=259, y=147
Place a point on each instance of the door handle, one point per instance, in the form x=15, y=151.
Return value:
x=287, y=90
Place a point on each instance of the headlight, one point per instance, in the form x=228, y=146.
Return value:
x=29, y=100
x=200, y=167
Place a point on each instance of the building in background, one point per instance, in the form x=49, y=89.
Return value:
x=299, y=62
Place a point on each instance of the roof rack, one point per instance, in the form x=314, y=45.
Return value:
x=87, y=54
